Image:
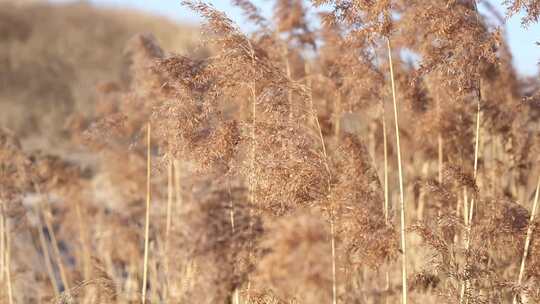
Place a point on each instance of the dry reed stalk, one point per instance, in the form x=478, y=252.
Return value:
x=236, y=296
x=493, y=171
x=177, y=184
x=337, y=113
x=401, y=191
x=147, y=220
x=253, y=92
x=170, y=193
x=465, y=207
x=440, y=157
x=385, y=152
x=459, y=205
x=46, y=256
x=6, y=256
x=422, y=196
x=252, y=197
x=236, y=293
x=56, y=250
x=469, y=216
x=327, y=166
x=477, y=137
x=177, y=188
x=333, y=241
x=232, y=206
x=386, y=195
x=153, y=277
x=289, y=76
x=8, y=263
x=466, y=238
x=315, y=115
x=528, y=238
x=439, y=146
x=476, y=149
x=83, y=232
x=131, y=283
x=2, y=244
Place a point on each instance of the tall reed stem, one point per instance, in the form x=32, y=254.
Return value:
x=46, y=256
x=252, y=195
x=83, y=233
x=439, y=146
x=2, y=243
x=401, y=191
x=177, y=191
x=385, y=152
x=337, y=118
x=528, y=238
x=476, y=155
x=170, y=194
x=323, y=147
x=6, y=254
x=147, y=219
x=253, y=92
x=8, y=264
x=56, y=249
x=236, y=293
x=333, y=243
x=177, y=184
x=289, y=75
x=386, y=195
x=469, y=216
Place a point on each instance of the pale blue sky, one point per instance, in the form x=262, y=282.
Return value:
x=522, y=41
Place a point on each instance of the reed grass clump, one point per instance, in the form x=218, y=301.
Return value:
x=300, y=162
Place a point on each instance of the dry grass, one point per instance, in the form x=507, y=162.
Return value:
x=274, y=177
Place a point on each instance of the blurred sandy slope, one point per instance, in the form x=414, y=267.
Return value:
x=52, y=57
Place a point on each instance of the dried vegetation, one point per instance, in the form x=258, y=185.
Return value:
x=274, y=174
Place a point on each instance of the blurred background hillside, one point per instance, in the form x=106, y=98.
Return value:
x=53, y=56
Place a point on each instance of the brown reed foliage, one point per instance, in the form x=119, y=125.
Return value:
x=267, y=152
x=297, y=258
x=219, y=251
